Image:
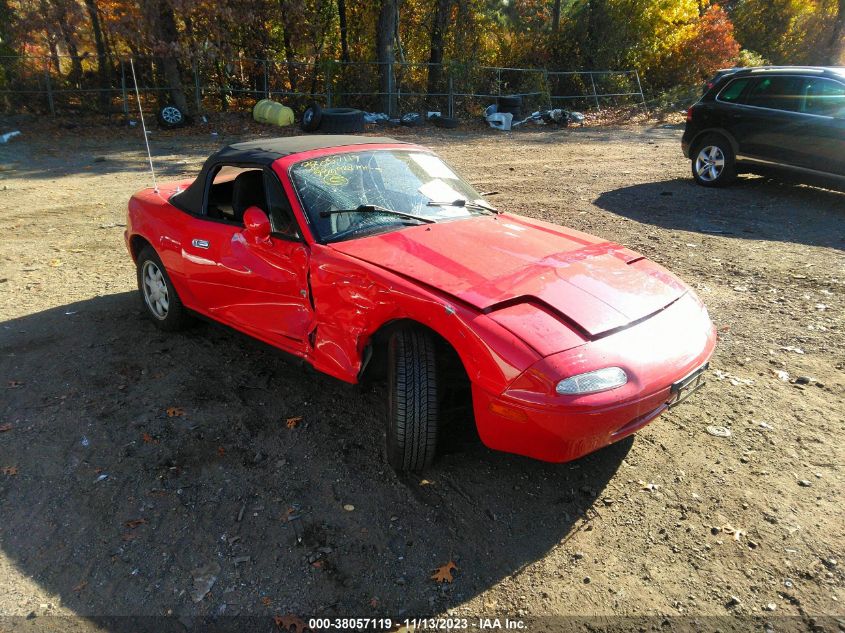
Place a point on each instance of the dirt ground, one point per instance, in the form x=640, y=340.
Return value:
x=111, y=506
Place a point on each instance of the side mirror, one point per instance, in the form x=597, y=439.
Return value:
x=256, y=225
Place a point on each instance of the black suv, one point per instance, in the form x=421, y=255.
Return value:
x=760, y=119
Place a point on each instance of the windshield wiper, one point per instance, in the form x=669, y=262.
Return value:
x=466, y=204
x=372, y=208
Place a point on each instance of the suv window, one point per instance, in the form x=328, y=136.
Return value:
x=733, y=91
x=824, y=97
x=780, y=92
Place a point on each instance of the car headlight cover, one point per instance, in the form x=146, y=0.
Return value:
x=592, y=382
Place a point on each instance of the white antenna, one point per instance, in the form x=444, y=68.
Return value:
x=143, y=125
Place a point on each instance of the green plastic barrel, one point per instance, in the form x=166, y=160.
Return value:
x=269, y=111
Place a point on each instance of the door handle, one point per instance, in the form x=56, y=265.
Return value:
x=199, y=243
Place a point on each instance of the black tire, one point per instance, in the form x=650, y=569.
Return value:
x=509, y=101
x=175, y=315
x=445, y=122
x=713, y=161
x=341, y=121
x=311, y=118
x=412, y=423
x=170, y=116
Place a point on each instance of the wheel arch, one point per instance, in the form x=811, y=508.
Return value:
x=374, y=355
x=694, y=143
x=137, y=244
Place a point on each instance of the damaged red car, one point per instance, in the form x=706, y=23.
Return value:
x=368, y=256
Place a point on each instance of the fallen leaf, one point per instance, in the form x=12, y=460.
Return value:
x=318, y=564
x=374, y=603
x=444, y=573
x=221, y=451
x=292, y=423
x=81, y=586
x=128, y=536
x=14, y=384
x=5, y=427
x=175, y=412
x=290, y=622
x=149, y=439
x=55, y=263
x=266, y=601
x=9, y=470
x=133, y=523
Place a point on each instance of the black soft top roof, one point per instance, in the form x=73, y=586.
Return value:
x=262, y=152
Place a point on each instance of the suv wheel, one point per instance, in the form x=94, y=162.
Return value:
x=713, y=162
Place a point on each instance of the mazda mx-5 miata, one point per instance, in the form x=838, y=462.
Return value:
x=372, y=257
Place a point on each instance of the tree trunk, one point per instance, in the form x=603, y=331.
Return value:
x=556, y=16
x=439, y=26
x=69, y=37
x=103, y=67
x=286, y=8
x=159, y=14
x=385, y=35
x=836, y=48
x=344, y=43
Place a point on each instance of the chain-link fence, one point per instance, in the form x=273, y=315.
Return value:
x=61, y=85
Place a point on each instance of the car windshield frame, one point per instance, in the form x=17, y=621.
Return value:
x=329, y=183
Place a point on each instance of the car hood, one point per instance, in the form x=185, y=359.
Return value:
x=501, y=264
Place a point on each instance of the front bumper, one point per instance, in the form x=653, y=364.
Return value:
x=530, y=419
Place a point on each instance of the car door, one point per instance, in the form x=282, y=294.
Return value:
x=822, y=103
x=261, y=289
x=769, y=125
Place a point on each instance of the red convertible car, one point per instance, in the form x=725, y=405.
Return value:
x=368, y=255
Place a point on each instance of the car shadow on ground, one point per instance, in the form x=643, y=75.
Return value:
x=148, y=463
x=753, y=208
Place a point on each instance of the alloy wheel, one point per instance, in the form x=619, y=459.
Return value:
x=171, y=115
x=710, y=163
x=155, y=290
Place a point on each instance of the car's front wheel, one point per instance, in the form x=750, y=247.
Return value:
x=713, y=162
x=412, y=424
x=158, y=296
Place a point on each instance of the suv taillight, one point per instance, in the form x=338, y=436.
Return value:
x=689, y=114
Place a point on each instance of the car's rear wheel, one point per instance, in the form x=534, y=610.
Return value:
x=158, y=296
x=412, y=423
x=713, y=162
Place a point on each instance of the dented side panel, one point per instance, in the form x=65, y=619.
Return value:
x=354, y=300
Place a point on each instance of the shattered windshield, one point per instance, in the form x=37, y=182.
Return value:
x=354, y=194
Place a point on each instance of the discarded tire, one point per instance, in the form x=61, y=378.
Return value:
x=341, y=121
x=171, y=116
x=269, y=111
x=444, y=122
x=311, y=118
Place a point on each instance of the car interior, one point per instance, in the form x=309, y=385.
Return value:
x=235, y=189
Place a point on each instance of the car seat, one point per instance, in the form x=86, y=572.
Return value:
x=248, y=191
